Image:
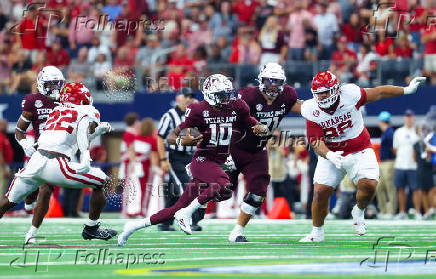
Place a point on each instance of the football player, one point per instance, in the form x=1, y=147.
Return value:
x=70, y=127
x=269, y=102
x=217, y=117
x=336, y=132
x=36, y=109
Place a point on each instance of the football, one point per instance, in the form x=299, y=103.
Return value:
x=194, y=132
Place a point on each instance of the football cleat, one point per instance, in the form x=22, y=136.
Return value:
x=30, y=238
x=184, y=220
x=96, y=232
x=129, y=228
x=196, y=228
x=312, y=238
x=238, y=239
x=358, y=221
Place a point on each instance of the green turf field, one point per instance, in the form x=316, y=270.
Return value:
x=274, y=251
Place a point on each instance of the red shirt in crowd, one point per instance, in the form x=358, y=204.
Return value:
x=430, y=46
x=403, y=52
x=6, y=148
x=382, y=48
x=352, y=33
x=60, y=59
x=29, y=33
x=338, y=57
x=245, y=12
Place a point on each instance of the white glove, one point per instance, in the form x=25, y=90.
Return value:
x=27, y=146
x=413, y=85
x=335, y=157
x=85, y=163
x=104, y=127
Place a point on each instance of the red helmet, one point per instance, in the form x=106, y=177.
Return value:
x=75, y=93
x=322, y=82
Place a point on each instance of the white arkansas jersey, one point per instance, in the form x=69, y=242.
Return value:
x=60, y=134
x=341, y=127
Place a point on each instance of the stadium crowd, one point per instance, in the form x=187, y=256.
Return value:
x=108, y=43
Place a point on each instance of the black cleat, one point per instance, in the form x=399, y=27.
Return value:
x=95, y=232
x=241, y=238
x=196, y=228
x=165, y=228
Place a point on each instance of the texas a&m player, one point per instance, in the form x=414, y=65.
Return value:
x=337, y=133
x=36, y=109
x=217, y=118
x=69, y=128
x=269, y=103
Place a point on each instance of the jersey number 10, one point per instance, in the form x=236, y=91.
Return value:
x=220, y=134
x=62, y=120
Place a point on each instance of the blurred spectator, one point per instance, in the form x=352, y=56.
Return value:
x=96, y=49
x=386, y=192
x=22, y=76
x=312, y=45
x=4, y=66
x=80, y=31
x=29, y=35
x=276, y=164
x=199, y=59
x=199, y=37
x=172, y=11
x=403, y=48
x=245, y=49
x=327, y=27
x=264, y=10
x=366, y=64
x=297, y=37
x=40, y=62
x=101, y=68
x=419, y=16
x=112, y=9
x=245, y=9
x=424, y=171
x=6, y=157
x=144, y=58
x=214, y=56
x=352, y=30
x=225, y=48
x=80, y=68
x=121, y=34
x=129, y=135
x=384, y=46
x=343, y=61
x=429, y=39
x=405, y=165
x=271, y=40
x=122, y=75
x=57, y=56
x=223, y=23
x=346, y=200
x=179, y=65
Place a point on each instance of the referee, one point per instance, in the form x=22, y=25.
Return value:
x=173, y=159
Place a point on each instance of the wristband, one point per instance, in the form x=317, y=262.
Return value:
x=163, y=159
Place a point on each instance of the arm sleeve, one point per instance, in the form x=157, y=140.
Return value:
x=165, y=126
x=244, y=113
x=83, y=135
x=314, y=131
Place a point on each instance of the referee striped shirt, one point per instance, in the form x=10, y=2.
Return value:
x=169, y=121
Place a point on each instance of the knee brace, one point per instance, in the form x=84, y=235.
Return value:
x=251, y=203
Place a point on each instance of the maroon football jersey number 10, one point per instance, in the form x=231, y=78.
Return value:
x=57, y=118
x=220, y=133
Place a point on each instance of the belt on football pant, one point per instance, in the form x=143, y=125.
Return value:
x=52, y=154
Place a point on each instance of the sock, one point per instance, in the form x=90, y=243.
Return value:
x=193, y=206
x=318, y=230
x=238, y=228
x=147, y=222
x=91, y=223
x=360, y=212
x=33, y=230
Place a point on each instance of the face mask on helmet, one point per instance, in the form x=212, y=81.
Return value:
x=329, y=100
x=272, y=87
x=53, y=87
x=223, y=98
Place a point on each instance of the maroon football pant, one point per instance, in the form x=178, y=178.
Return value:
x=210, y=183
x=254, y=167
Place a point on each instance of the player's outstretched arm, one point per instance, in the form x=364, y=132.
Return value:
x=390, y=91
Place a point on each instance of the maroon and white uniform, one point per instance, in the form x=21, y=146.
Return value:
x=40, y=106
x=59, y=136
x=217, y=127
x=342, y=129
x=249, y=154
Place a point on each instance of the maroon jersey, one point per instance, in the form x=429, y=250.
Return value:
x=217, y=127
x=40, y=106
x=270, y=115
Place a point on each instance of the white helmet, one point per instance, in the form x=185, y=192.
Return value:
x=50, y=81
x=271, y=79
x=218, y=90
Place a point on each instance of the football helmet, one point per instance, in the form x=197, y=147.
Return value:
x=218, y=90
x=50, y=82
x=271, y=80
x=325, y=81
x=75, y=93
